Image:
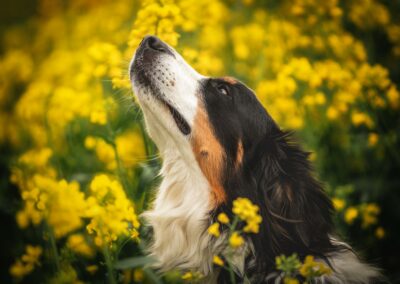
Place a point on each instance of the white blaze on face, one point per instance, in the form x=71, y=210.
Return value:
x=175, y=82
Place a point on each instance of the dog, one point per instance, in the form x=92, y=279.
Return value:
x=218, y=143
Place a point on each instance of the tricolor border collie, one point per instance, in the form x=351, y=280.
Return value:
x=218, y=143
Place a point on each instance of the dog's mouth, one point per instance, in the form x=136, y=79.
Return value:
x=148, y=71
x=180, y=122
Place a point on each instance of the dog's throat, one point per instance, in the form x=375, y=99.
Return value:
x=179, y=120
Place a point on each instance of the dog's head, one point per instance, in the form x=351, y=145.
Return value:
x=214, y=120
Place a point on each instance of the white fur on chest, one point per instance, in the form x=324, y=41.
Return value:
x=180, y=218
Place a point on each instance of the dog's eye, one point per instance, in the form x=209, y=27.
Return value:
x=222, y=89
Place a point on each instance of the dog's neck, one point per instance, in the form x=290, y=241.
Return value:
x=180, y=217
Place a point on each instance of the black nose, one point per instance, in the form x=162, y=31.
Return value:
x=155, y=43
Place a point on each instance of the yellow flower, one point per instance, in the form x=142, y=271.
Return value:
x=338, y=203
x=253, y=225
x=214, y=230
x=218, y=261
x=236, y=240
x=90, y=142
x=350, y=215
x=78, y=244
x=187, y=276
x=98, y=117
x=32, y=254
x=247, y=211
x=393, y=97
x=37, y=158
x=311, y=268
x=130, y=148
x=359, y=118
x=380, y=233
x=134, y=234
x=373, y=139
x=27, y=262
x=92, y=269
x=290, y=280
x=332, y=113
x=192, y=276
x=370, y=214
x=138, y=275
x=223, y=218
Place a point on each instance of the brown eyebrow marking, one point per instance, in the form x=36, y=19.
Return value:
x=230, y=80
x=209, y=155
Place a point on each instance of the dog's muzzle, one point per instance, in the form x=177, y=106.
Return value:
x=146, y=57
x=148, y=70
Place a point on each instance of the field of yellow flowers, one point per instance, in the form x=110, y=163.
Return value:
x=77, y=167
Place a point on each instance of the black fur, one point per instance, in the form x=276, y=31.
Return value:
x=275, y=174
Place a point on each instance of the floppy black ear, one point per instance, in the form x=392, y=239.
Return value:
x=296, y=211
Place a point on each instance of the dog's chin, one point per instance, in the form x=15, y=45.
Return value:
x=143, y=82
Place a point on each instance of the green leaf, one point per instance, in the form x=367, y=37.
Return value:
x=133, y=262
x=152, y=275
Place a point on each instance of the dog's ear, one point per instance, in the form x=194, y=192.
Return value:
x=295, y=210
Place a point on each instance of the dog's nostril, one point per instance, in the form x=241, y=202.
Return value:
x=156, y=44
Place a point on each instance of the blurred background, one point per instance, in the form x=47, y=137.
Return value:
x=77, y=167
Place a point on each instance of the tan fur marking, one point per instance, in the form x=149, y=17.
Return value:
x=239, y=155
x=230, y=80
x=209, y=154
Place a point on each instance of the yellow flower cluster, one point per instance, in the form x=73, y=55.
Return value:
x=129, y=146
x=245, y=211
x=312, y=268
x=338, y=203
x=25, y=265
x=79, y=245
x=236, y=240
x=291, y=266
x=368, y=14
x=248, y=212
x=60, y=203
x=159, y=18
x=64, y=207
x=350, y=214
x=214, y=230
x=295, y=88
x=112, y=213
x=368, y=212
x=365, y=215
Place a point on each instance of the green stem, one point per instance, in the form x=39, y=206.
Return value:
x=231, y=229
x=110, y=270
x=50, y=138
x=233, y=226
x=231, y=273
x=120, y=168
x=54, y=250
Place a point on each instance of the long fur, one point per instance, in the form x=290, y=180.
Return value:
x=179, y=224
